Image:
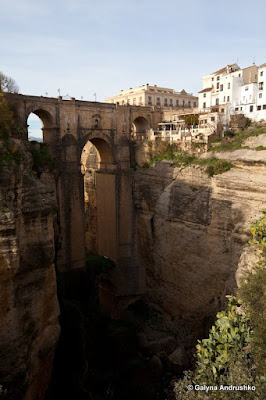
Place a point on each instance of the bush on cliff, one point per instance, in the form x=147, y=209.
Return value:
x=253, y=294
x=235, y=352
x=7, y=117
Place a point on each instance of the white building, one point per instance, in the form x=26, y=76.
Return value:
x=232, y=90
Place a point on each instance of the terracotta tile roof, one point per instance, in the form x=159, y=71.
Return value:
x=262, y=65
x=205, y=90
x=220, y=71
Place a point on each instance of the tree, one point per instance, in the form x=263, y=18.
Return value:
x=191, y=119
x=8, y=84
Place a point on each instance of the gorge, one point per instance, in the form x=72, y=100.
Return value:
x=175, y=234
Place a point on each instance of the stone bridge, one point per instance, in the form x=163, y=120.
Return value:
x=67, y=126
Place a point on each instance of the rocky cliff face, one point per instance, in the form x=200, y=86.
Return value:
x=190, y=231
x=28, y=307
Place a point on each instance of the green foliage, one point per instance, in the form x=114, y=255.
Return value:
x=99, y=264
x=259, y=148
x=248, y=122
x=235, y=352
x=229, y=133
x=7, y=117
x=9, y=151
x=237, y=139
x=227, y=337
x=42, y=159
x=224, y=359
x=218, y=167
x=258, y=231
x=191, y=119
x=253, y=294
x=214, y=166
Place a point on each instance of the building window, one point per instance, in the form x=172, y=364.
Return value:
x=158, y=101
x=246, y=88
x=217, y=102
x=183, y=103
x=222, y=110
x=177, y=103
x=205, y=121
x=165, y=102
x=260, y=85
x=204, y=94
x=224, y=99
x=171, y=102
x=261, y=73
x=239, y=75
x=212, y=119
x=189, y=103
x=229, y=85
x=195, y=104
x=259, y=108
x=217, y=85
x=251, y=108
x=218, y=78
x=221, y=88
x=236, y=109
x=212, y=79
x=204, y=105
x=260, y=95
x=228, y=98
x=264, y=107
x=149, y=100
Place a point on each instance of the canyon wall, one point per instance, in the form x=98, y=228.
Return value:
x=190, y=232
x=29, y=308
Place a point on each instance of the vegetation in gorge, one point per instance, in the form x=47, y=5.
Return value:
x=234, y=141
x=235, y=351
x=41, y=158
x=213, y=166
x=10, y=151
x=253, y=294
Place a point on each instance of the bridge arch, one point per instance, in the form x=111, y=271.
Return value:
x=48, y=124
x=104, y=149
x=141, y=126
x=99, y=169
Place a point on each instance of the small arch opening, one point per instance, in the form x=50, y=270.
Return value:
x=41, y=127
x=141, y=127
x=35, y=128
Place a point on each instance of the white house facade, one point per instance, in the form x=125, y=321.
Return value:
x=232, y=90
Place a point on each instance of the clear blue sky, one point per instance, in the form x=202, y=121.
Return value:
x=84, y=46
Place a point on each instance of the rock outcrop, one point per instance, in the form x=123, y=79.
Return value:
x=190, y=232
x=28, y=306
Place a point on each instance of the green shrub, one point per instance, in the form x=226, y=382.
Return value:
x=260, y=148
x=228, y=336
x=235, y=352
x=42, y=159
x=9, y=151
x=253, y=294
x=218, y=167
x=99, y=264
